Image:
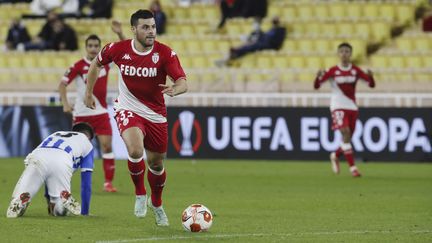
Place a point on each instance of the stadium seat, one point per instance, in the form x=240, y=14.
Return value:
x=353, y=11
x=404, y=44
x=397, y=62
x=305, y=12
x=306, y=46
x=405, y=13
x=414, y=62
x=320, y=11
x=14, y=61
x=330, y=61
x=280, y=62
x=388, y=11
x=264, y=62
x=289, y=46
x=323, y=46
x=296, y=62
x=371, y=11
x=427, y=62
x=314, y=62
x=337, y=11
x=423, y=44
x=379, y=61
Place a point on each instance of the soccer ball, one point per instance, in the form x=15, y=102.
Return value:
x=197, y=218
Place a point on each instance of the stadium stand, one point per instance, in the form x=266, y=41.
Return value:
x=314, y=30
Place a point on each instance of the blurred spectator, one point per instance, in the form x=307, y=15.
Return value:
x=64, y=37
x=101, y=9
x=159, y=16
x=55, y=35
x=272, y=39
x=42, y=7
x=17, y=35
x=242, y=8
x=256, y=35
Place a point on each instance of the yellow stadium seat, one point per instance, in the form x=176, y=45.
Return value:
x=264, y=62
x=314, y=62
x=14, y=61
x=211, y=13
x=196, y=13
x=320, y=11
x=223, y=46
x=427, y=61
x=337, y=10
x=186, y=62
x=234, y=29
x=201, y=29
x=404, y=44
x=280, y=62
x=288, y=13
x=422, y=77
x=248, y=61
x=181, y=13
x=275, y=10
x=296, y=62
x=209, y=45
x=178, y=46
x=313, y=28
x=345, y=29
x=29, y=61
x=380, y=31
x=396, y=62
x=306, y=45
x=305, y=11
x=405, y=13
x=200, y=62
x=423, y=44
x=388, y=11
x=362, y=30
x=193, y=46
x=306, y=77
x=299, y=28
x=330, y=61
x=289, y=46
x=187, y=30
x=379, y=61
x=414, y=62
x=6, y=77
x=353, y=10
x=371, y=10
x=328, y=29
x=323, y=46
x=59, y=62
x=54, y=77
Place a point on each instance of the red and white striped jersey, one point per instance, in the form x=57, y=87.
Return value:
x=78, y=73
x=343, y=82
x=142, y=72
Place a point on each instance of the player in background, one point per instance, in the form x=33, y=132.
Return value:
x=52, y=163
x=140, y=108
x=343, y=79
x=98, y=118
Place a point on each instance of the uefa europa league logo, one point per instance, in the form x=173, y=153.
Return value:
x=186, y=123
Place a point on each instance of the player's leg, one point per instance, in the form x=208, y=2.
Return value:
x=108, y=161
x=156, y=142
x=337, y=122
x=58, y=182
x=133, y=138
x=26, y=188
x=348, y=151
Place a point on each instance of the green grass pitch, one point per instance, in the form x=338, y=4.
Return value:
x=253, y=201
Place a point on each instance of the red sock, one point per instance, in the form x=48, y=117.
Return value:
x=137, y=170
x=339, y=152
x=157, y=183
x=349, y=153
x=109, y=168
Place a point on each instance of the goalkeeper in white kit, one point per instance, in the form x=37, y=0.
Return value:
x=52, y=163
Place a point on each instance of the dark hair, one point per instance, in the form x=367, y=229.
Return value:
x=92, y=37
x=84, y=128
x=140, y=14
x=345, y=44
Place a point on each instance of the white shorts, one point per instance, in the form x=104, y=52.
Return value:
x=46, y=165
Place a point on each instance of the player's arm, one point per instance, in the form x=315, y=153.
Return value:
x=117, y=28
x=321, y=77
x=92, y=76
x=86, y=182
x=179, y=87
x=367, y=77
x=68, y=77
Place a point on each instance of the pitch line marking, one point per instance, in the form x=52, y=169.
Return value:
x=265, y=234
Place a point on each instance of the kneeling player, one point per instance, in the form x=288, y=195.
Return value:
x=53, y=163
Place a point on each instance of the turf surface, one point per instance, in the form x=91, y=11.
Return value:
x=257, y=201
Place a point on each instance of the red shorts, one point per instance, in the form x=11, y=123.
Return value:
x=155, y=134
x=344, y=118
x=100, y=123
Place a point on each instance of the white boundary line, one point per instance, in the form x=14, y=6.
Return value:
x=203, y=236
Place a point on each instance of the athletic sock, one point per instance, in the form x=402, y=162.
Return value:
x=349, y=154
x=156, y=180
x=339, y=152
x=108, y=166
x=136, y=170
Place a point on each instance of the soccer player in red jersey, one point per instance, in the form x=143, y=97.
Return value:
x=98, y=118
x=140, y=108
x=344, y=110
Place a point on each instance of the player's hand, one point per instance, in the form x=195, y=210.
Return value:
x=67, y=108
x=168, y=89
x=369, y=73
x=320, y=73
x=116, y=27
x=90, y=102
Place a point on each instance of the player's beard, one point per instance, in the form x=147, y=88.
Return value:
x=147, y=43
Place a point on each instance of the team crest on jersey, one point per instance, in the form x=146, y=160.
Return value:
x=155, y=57
x=353, y=72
